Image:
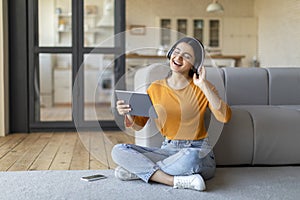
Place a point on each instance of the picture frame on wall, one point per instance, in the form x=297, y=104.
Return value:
x=137, y=29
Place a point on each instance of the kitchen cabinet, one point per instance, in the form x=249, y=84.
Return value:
x=97, y=86
x=62, y=86
x=46, y=80
x=207, y=30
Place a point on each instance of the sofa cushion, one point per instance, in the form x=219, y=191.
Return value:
x=149, y=135
x=284, y=86
x=246, y=86
x=276, y=135
x=293, y=107
x=216, y=77
x=146, y=75
x=235, y=145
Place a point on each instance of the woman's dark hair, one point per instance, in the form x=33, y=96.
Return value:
x=198, y=51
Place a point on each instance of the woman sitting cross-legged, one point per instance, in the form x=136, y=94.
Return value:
x=185, y=158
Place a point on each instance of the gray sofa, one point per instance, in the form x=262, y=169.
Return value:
x=265, y=124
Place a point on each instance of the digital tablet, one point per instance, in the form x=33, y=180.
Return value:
x=140, y=103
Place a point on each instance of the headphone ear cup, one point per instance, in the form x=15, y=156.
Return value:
x=170, y=53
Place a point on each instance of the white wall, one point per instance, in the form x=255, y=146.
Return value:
x=276, y=42
x=142, y=12
x=234, y=40
x=240, y=38
x=3, y=70
x=279, y=32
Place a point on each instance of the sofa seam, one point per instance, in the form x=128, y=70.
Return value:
x=254, y=136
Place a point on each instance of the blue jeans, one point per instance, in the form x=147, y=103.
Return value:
x=175, y=157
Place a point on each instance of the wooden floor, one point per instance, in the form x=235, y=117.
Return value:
x=59, y=151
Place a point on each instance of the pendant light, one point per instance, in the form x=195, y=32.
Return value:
x=215, y=7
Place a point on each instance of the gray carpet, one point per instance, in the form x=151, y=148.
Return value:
x=229, y=183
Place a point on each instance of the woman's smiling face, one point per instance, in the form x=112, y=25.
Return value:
x=182, y=58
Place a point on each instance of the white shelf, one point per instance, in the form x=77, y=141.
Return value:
x=63, y=28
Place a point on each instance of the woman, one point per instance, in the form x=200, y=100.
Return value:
x=185, y=158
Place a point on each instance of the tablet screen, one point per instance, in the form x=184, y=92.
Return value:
x=140, y=103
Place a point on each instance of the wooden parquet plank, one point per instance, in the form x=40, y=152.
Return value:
x=99, y=155
x=12, y=156
x=64, y=155
x=59, y=151
x=111, y=139
x=47, y=156
x=3, y=140
x=11, y=144
x=95, y=164
x=25, y=161
x=80, y=158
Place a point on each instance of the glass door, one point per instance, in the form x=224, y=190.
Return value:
x=74, y=61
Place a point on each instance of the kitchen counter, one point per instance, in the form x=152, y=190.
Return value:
x=237, y=58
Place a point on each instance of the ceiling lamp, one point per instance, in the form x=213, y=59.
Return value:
x=215, y=7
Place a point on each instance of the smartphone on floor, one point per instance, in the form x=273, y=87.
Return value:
x=93, y=177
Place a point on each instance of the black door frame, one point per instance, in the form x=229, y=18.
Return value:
x=24, y=47
x=18, y=65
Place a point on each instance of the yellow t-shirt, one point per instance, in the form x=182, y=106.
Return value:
x=180, y=112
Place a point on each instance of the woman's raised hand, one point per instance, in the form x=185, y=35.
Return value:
x=199, y=81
